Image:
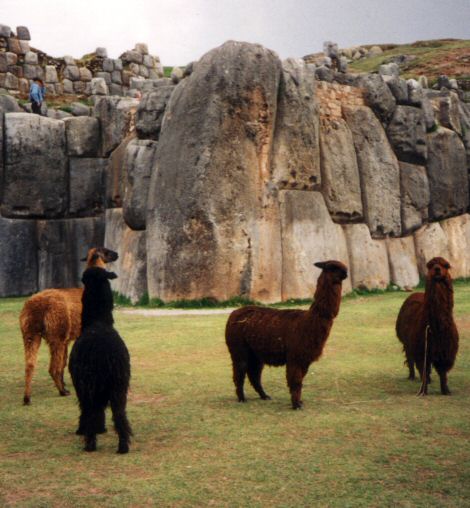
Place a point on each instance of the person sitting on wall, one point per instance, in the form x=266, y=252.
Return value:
x=37, y=93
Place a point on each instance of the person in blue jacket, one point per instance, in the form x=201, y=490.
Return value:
x=37, y=93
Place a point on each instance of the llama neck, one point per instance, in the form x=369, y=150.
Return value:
x=96, y=307
x=438, y=305
x=326, y=300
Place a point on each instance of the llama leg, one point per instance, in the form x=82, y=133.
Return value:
x=239, y=372
x=121, y=423
x=56, y=367
x=442, y=371
x=86, y=427
x=31, y=348
x=411, y=365
x=64, y=364
x=295, y=375
x=255, y=368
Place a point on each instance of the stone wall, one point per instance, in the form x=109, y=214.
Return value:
x=237, y=179
x=94, y=74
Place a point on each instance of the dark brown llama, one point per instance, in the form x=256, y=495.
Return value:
x=55, y=316
x=426, y=328
x=256, y=336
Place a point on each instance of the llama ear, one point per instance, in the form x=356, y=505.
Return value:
x=320, y=264
x=111, y=275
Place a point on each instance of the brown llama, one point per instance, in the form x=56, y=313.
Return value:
x=256, y=336
x=55, y=315
x=426, y=328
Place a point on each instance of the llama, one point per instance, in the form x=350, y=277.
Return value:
x=55, y=315
x=426, y=328
x=256, y=336
x=100, y=363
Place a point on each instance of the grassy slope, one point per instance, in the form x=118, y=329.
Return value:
x=451, y=57
x=363, y=439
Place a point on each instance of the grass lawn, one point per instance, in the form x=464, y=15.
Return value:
x=363, y=438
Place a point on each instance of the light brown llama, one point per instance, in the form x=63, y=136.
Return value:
x=55, y=315
x=256, y=336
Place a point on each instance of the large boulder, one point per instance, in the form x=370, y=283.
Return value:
x=402, y=259
x=378, y=96
x=213, y=219
x=415, y=196
x=296, y=151
x=8, y=104
x=114, y=175
x=83, y=136
x=62, y=244
x=341, y=185
x=379, y=170
x=87, y=192
x=308, y=235
x=116, y=116
x=149, y=114
x=35, y=172
x=430, y=242
x=407, y=134
x=18, y=257
x=138, y=166
x=447, y=172
x=457, y=231
x=131, y=266
x=368, y=260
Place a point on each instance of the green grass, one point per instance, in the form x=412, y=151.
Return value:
x=363, y=438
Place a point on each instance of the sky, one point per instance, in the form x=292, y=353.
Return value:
x=180, y=31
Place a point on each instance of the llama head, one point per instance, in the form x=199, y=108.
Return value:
x=333, y=271
x=438, y=269
x=100, y=256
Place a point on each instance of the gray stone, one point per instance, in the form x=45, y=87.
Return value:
x=407, y=134
x=150, y=112
x=25, y=48
x=398, y=87
x=85, y=74
x=12, y=58
x=457, y=231
x=3, y=63
x=423, y=81
x=323, y=73
x=188, y=70
x=31, y=58
x=117, y=64
x=23, y=87
x=131, y=265
x=116, y=77
x=415, y=196
x=390, y=69
x=58, y=114
x=149, y=61
x=137, y=83
x=415, y=93
x=380, y=174
x=374, y=51
x=215, y=142
x=68, y=86
x=51, y=74
x=104, y=75
x=116, y=117
x=62, y=244
x=453, y=84
x=340, y=174
x=308, y=235
x=14, y=46
x=368, y=259
x=378, y=96
x=18, y=257
x=343, y=64
x=132, y=56
x=69, y=60
x=87, y=193
x=115, y=89
x=101, y=52
x=449, y=112
x=176, y=74
x=138, y=167
x=79, y=87
x=108, y=65
x=464, y=110
x=403, y=264
x=134, y=68
x=428, y=112
x=33, y=71
x=114, y=177
x=99, y=87
x=8, y=105
x=79, y=109
x=22, y=33
x=35, y=175
x=83, y=136
x=5, y=31
x=447, y=172
x=296, y=149
x=443, y=82
x=11, y=81
x=142, y=48
x=430, y=242
x=143, y=71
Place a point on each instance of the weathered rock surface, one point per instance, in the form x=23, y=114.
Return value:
x=114, y=177
x=83, y=136
x=402, y=259
x=215, y=144
x=308, y=235
x=8, y=105
x=378, y=96
x=131, y=266
x=296, y=155
x=150, y=112
x=457, y=231
x=87, y=193
x=340, y=174
x=407, y=134
x=368, y=260
x=430, y=242
x=116, y=116
x=447, y=172
x=378, y=167
x=62, y=244
x=35, y=171
x=415, y=196
x=138, y=167
x=18, y=259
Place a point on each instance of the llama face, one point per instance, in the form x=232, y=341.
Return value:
x=336, y=270
x=438, y=269
x=100, y=256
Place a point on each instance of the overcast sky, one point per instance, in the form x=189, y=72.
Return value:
x=180, y=31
